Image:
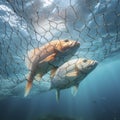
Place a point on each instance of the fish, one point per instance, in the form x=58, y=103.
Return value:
x=71, y=73
x=48, y=57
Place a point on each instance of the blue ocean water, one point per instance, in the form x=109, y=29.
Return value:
x=97, y=98
x=29, y=24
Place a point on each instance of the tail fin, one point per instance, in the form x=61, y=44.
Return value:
x=28, y=87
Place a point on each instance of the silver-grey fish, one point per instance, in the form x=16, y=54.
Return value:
x=71, y=74
x=41, y=60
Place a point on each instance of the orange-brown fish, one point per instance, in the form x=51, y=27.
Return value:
x=43, y=59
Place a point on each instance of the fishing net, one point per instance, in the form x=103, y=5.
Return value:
x=28, y=24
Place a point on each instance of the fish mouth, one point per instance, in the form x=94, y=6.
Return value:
x=92, y=65
x=95, y=63
x=73, y=46
x=77, y=43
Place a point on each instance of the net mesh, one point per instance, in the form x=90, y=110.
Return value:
x=28, y=24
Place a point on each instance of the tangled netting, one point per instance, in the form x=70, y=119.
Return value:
x=28, y=24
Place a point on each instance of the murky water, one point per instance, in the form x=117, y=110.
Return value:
x=26, y=25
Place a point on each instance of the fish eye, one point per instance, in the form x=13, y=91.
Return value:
x=84, y=61
x=66, y=40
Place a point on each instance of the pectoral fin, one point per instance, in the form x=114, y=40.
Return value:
x=28, y=87
x=72, y=74
x=74, y=89
x=50, y=58
x=57, y=95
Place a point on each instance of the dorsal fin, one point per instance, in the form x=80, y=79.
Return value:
x=53, y=71
x=30, y=56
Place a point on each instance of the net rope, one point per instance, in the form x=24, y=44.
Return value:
x=29, y=24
